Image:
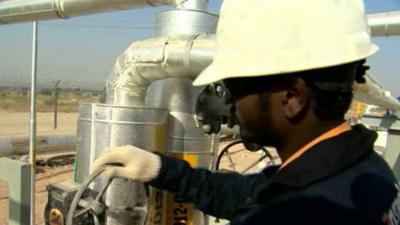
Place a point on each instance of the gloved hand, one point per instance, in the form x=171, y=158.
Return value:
x=128, y=162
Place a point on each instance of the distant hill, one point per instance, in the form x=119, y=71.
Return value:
x=66, y=83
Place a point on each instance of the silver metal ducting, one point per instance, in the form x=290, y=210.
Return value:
x=157, y=118
x=102, y=126
x=201, y=5
x=373, y=93
x=384, y=24
x=15, y=11
x=179, y=56
x=185, y=56
x=185, y=21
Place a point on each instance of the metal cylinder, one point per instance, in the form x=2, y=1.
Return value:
x=184, y=139
x=384, y=24
x=185, y=21
x=103, y=126
x=16, y=11
x=178, y=95
x=193, y=4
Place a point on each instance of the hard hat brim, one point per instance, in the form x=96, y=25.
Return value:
x=216, y=72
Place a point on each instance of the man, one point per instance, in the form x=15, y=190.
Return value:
x=288, y=67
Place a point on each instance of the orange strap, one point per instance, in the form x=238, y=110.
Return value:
x=329, y=134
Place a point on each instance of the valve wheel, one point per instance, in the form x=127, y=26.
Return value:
x=95, y=207
x=227, y=154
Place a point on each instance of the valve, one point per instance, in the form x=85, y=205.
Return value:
x=212, y=110
x=95, y=207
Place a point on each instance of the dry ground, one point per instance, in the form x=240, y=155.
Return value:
x=54, y=175
x=14, y=121
x=16, y=124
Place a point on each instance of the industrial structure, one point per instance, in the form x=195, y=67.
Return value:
x=152, y=104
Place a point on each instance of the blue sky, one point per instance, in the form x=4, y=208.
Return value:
x=83, y=50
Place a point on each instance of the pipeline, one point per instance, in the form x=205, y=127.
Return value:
x=373, y=93
x=17, y=11
x=179, y=55
x=44, y=143
x=186, y=56
x=384, y=24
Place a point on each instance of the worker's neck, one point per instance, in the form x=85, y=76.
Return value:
x=300, y=135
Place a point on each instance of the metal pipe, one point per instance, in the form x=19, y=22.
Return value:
x=185, y=56
x=373, y=93
x=19, y=145
x=185, y=21
x=28, y=10
x=179, y=56
x=32, y=133
x=384, y=24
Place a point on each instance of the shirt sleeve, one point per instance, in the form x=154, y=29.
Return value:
x=217, y=194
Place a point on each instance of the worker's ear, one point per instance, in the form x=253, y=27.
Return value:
x=296, y=99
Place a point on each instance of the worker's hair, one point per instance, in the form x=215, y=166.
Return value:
x=330, y=105
x=331, y=87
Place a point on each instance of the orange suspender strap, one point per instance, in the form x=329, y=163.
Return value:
x=329, y=134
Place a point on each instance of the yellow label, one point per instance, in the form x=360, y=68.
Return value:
x=160, y=138
x=156, y=214
x=56, y=217
x=192, y=159
x=178, y=212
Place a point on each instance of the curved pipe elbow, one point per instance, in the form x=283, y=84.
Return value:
x=145, y=61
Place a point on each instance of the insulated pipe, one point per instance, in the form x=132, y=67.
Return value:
x=201, y=5
x=145, y=61
x=384, y=24
x=186, y=56
x=15, y=11
x=47, y=143
x=373, y=93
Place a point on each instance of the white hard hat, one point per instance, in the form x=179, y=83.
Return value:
x=269, y=37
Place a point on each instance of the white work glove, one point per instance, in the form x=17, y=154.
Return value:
x=128, y=162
